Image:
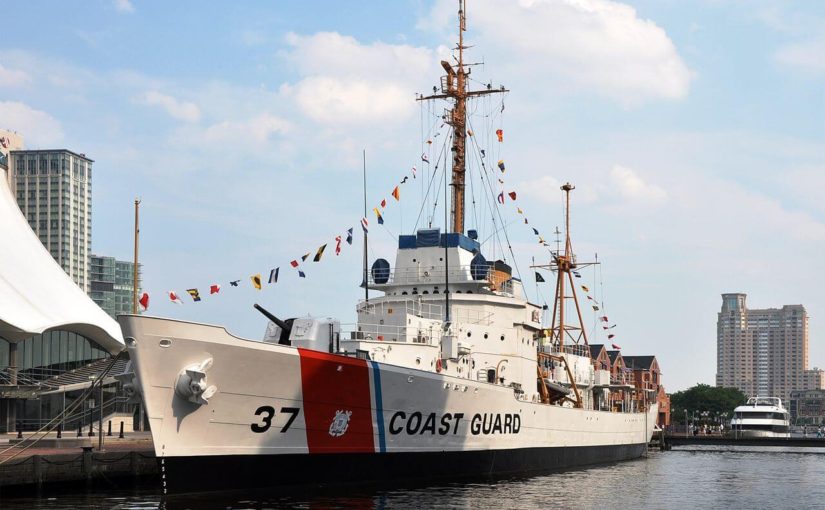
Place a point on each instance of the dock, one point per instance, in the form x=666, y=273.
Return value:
x=716, y=440
x=75, y=462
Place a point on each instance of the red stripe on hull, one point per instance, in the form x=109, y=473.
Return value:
x=335, y=386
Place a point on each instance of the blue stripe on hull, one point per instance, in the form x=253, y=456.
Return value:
x=379, y=406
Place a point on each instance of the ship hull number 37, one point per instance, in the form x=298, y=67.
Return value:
x=267, y=413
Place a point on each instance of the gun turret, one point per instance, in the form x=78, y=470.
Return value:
x=286, y=326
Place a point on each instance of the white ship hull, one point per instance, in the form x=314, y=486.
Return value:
x=750, y=434
x=286, y=415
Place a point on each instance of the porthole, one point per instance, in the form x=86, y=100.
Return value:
x=469, y=334
x=486, y=335
x=502, y=338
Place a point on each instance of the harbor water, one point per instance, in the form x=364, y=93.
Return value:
x=700, y=478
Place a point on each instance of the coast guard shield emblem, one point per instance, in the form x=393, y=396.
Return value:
x=339, y=424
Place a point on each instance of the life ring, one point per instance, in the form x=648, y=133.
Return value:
x=438, y=365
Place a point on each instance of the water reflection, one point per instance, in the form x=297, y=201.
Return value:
x=699, y=478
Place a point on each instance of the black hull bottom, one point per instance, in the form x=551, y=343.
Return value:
x=228, y=472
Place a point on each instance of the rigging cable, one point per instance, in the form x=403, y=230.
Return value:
x=506, y=235
x=429, y=186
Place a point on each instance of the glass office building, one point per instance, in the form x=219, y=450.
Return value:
x=52, y=352
x=112, y=286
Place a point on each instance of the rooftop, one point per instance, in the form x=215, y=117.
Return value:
x=46, y=151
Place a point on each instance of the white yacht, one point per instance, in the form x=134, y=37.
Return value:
x=760, y=417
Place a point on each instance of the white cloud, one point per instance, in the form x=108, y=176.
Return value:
x=256, y=130
x=330, y=53
x=37, y=127
x=12, y=77
x=124, y=6
x=633, y=189
x=181, y=110
x=547, y=190
x=596, y=44
x=332, y=100
x=347, y=82
x=806, y=56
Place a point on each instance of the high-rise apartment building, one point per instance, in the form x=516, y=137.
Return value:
x=54, y=192
x=813, y=379
x=112, y=283
x=762, y=352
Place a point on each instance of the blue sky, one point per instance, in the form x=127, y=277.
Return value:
x=692, y=130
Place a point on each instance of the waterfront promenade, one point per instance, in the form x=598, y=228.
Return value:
x=75, y=462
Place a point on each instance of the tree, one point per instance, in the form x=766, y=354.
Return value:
x=712, y=403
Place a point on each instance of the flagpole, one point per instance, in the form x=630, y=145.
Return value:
x=366, y=279
x=446, y=257
x=135, y=267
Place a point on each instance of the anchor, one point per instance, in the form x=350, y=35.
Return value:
x=192, y=386
x=130, y=384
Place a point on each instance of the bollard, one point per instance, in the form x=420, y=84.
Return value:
x=121, y=431
x=134, y=463
x=91, y=430
x=87, y=463
x=19, y=430
x=37, y=470
x=59, y=430
x=109, y=433
x=79, y=430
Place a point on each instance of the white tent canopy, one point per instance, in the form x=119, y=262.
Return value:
x=36, y=295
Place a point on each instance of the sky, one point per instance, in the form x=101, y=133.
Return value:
x=692, y=129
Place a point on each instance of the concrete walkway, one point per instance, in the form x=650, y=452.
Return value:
x=53, y=460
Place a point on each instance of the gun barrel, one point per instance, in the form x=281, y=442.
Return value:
x=281, y=324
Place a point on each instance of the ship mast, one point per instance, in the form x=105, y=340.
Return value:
x=562, y=329
x=454, y=86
